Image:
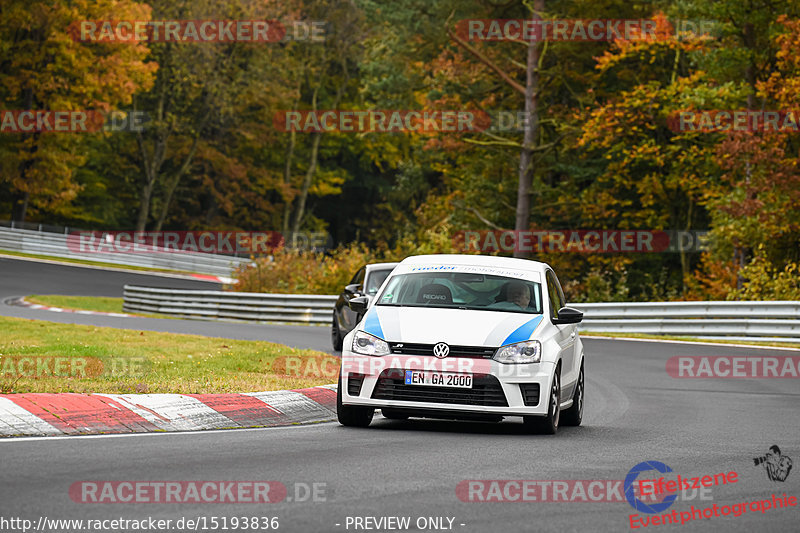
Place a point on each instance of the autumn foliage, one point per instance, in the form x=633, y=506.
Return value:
x=604, y=152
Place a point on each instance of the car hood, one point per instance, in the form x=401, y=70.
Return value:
x=456, y=327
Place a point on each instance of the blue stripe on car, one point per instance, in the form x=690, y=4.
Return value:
x=372, y=324
x=523, y=332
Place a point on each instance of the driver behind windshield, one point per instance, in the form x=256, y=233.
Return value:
x=514, y=295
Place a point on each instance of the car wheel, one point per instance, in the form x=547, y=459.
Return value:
x=352, y=415
x=574, y=415
x=336, y=335
x=548, y=425
x=393, y=414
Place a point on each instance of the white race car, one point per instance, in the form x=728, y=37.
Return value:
x=465, y=337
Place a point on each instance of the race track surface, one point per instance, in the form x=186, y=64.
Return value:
x=21, y=278
x=635, y=412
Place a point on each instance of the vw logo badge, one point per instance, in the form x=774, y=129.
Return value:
x=441, y=350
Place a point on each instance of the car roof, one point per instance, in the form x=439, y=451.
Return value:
x=381, y=266
x=475, y=260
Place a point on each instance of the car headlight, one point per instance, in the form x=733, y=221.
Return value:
x=367, y=344
x=521, y=352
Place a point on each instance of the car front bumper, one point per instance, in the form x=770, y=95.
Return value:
x=498, y=389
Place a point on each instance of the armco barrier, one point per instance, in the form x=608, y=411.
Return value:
x=220, y=305
x=778, y=321
x=55, y=244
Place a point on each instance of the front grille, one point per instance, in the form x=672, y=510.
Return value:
x=411, y=348
x=530, y=394
x=354, y=383
x=486, y=391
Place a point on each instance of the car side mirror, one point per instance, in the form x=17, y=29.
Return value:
x=358, y=304
x=568, y=315
x=353, y=288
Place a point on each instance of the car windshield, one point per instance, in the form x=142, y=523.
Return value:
x=463, y=291
x=376, y=279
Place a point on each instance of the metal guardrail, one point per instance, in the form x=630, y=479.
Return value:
x=776, y=321
x=735, y=320
x=55, y=244
x=220, y=305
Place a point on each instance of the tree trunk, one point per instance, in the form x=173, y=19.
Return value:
x=151, y=165
x=683, y=255
x=287, y=179
x=530, y=129
x=21, y=207
x=173, y=184
x=146, y=192
x=309, y=177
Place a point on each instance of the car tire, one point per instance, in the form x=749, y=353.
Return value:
x=574, y=415
x=352, y=415
x=336, y=335
x=393, y=414
x=548, y=425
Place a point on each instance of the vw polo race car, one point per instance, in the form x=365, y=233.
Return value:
x=465, y=337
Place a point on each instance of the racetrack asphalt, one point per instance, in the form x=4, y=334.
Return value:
x=635, y=412
x=22, y=277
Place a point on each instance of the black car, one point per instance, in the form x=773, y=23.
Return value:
x=345, y=319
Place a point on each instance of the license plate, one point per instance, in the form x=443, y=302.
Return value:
x=438, y=379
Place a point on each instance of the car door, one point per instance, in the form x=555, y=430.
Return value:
x=349, y=318
x=565, y=336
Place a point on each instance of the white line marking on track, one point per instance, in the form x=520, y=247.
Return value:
x=295, y=427
x=719, y=344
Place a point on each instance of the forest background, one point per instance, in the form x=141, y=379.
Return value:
x=598, y=152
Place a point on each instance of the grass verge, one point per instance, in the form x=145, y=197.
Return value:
x=84, y=303
x=39, y=356
x=88, y=303
x=691, y=339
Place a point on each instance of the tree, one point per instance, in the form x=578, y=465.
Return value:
x=45, y=68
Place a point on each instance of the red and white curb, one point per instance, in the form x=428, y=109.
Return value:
x=218, y=279
x=38, y=414
x=22, y=302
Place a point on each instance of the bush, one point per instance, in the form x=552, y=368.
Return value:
x=298, y=272
x=764, y=281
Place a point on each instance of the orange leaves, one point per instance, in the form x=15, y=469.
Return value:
x=667, y=38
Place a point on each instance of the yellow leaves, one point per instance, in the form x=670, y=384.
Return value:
x=327, y=182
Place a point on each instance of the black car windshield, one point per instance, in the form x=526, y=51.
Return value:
x=375, y=279
x=463, y=291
